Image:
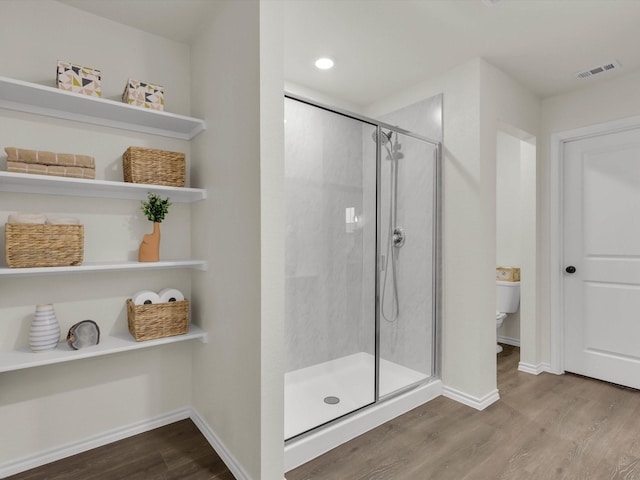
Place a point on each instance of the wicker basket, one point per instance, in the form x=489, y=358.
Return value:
x=157, y=320
x=28, y=245
x=508, y=274
x=154, y=167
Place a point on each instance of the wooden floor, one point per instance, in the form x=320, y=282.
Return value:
x=544, y=427
x=177, y=451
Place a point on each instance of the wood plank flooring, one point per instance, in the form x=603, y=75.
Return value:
x=177, y=451
x=544, y=427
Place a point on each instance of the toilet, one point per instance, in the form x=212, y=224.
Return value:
x=507, y=301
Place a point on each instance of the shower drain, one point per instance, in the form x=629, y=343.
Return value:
x=331, y=400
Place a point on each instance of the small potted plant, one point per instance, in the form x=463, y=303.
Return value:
x=155, y=209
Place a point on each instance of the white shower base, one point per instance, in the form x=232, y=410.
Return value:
x=351, y=379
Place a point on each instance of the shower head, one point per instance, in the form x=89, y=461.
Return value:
x=384, y=138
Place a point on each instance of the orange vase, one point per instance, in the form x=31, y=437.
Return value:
x=150, y=246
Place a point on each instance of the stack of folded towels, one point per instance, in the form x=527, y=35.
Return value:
x=50, y=163
x=39, y=218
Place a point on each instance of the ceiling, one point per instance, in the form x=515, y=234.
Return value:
x=383, y=46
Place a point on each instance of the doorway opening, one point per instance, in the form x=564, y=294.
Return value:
x=516, y=238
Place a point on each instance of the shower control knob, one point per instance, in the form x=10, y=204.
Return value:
x=398, y=237
x=570, y=269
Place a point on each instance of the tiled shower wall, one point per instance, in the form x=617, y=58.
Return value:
x=324, y=256
x=408, y=340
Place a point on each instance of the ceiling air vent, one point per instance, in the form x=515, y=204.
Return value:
x=605, y=67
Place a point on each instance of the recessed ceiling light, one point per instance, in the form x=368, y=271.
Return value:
x=324, y=63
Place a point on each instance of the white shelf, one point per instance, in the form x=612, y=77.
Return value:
x=51, y=185
x=25, y=358
x=53, y=102
x=104, y=267
x=43, y=100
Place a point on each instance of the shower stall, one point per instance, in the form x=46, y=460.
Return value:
x=361, y=265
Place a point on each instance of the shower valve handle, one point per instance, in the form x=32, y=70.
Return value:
x=398, y=237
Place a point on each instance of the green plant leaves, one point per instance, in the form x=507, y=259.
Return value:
x=155, y=208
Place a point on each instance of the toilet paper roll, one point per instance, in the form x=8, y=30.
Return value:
x=145, y=297
x=63, y=221
x=170, y=295
x=26, y=218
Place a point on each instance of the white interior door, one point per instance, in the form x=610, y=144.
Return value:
x=601, y=299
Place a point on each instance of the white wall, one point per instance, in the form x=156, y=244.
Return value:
x=35, y=34
x=272, y=239
x=603, y=102
x=50, y=406
x=508, y=192
x=238, y=376
x=529, y=279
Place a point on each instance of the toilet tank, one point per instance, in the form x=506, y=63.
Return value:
x=507, y=296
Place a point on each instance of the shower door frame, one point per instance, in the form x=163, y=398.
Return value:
x=436, y=260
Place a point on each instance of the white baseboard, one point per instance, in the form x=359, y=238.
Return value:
x=509, y=341
x=53, y=454
x=238, y=472
x=535, y=369
x=470, y=400
x=47, y=456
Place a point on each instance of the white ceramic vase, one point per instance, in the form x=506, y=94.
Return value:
x=44, y=333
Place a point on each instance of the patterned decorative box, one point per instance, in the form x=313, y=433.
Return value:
x=508, y=274
x=74, y=78
x=142, y=94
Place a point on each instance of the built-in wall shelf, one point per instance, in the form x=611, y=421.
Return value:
x=51, y=185
x=53, y=102
x=104, y=267
x=25, y=358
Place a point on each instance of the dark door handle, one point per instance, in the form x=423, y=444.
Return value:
x=570, y=269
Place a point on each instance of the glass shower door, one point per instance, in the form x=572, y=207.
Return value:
x=330, y=251
x=406, y=283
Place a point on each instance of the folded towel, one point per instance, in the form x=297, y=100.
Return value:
x=27, y=218
x=63, y=221
x=49, y=158
x=21, y=167
x=38, y=169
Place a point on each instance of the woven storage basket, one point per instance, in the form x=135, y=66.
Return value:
x=28, y=245
x=157, y=320
x=508, y=274
x=155, y=167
